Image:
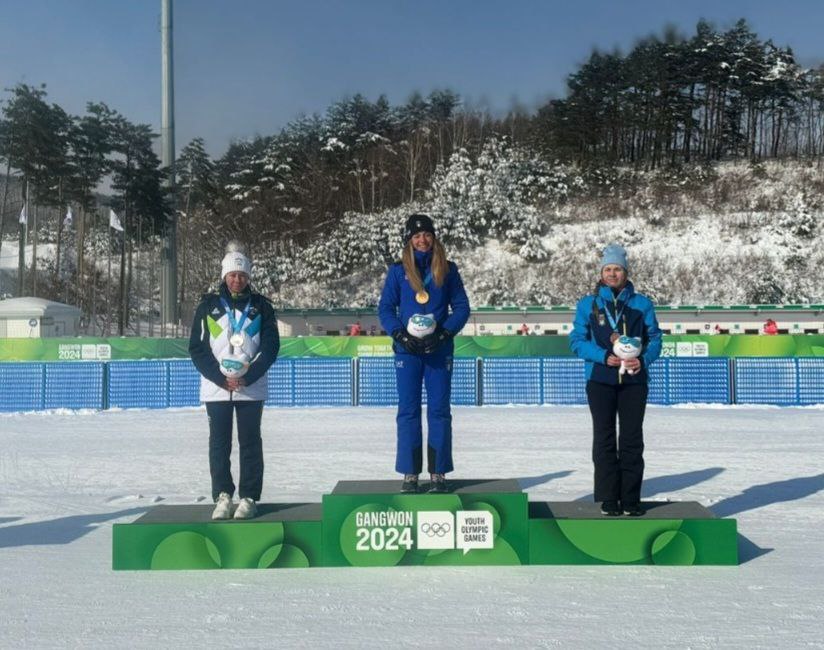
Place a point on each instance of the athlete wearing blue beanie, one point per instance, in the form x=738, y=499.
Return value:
x=615, y=310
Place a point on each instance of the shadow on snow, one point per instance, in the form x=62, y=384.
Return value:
x=62, y=530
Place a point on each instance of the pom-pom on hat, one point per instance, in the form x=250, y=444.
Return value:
x=235, y=261
x=615, y=254
x=417, y=223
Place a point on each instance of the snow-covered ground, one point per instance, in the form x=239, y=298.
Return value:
x=65, y=478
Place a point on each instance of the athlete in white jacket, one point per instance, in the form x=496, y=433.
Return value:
x=234, y=325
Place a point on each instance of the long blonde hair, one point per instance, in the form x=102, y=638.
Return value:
x=439, y=265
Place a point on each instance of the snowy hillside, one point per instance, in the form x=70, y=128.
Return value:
x=740, y=234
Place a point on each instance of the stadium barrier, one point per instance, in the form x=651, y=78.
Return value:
x=370, y=381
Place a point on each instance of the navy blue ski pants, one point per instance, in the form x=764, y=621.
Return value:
x=251, y=447
x=618, y=455
x=413, y=371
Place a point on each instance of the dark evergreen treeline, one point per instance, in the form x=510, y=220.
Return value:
x=672, y=100
x=61, y=160
x=710, y=97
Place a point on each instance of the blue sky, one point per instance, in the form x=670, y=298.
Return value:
x=247, y=67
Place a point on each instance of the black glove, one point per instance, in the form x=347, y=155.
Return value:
x=432, y=342
x=409, y=343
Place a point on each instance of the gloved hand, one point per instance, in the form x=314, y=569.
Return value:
x=432, y=342
x=409, y=343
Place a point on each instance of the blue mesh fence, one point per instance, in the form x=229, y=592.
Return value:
x=76, y=385
x=766, y=381
x=810, y=381
x=138, y=384
x=330, y=382
x=464, y=382
x=281, y=387
x=184, y=383
x=323, y=382
x=21, y=386
x=512, y=381
x=377, y=385
x=658, y=374
x=698, y=380
x=564, y=381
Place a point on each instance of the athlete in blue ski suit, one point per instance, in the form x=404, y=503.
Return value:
x=425, y=361
x=616, y=310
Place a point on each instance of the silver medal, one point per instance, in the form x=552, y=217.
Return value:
x=237, y=339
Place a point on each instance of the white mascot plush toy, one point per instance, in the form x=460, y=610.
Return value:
x=235, y=364
x=627, y=347
x=421, y=325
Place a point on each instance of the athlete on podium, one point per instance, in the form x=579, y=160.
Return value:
x=613, y=314
x=233, y=343
x=415, y=308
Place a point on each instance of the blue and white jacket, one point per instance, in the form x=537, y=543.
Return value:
x=397, y=304
x=634, y=314
x=210, y=338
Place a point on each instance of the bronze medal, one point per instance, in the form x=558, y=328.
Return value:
x=422, y=297
x=614, y=337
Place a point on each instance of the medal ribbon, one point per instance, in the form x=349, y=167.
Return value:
x=613, y=321
x=234, y=325
x=427, y=280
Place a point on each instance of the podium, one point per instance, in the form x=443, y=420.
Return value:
x=369, y=523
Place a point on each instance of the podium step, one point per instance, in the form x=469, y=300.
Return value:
x=370, y=523
x=284, y=535
x=668, y=533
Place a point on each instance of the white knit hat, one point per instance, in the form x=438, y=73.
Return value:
x=235, y=261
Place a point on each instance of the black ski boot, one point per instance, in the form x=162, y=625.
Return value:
x=410, y=484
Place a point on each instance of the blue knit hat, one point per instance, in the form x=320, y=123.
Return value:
x=615, y=254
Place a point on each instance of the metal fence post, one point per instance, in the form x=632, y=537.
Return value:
x=355, y=381
x=479, y=381
x=42, y=386
x=105, y=384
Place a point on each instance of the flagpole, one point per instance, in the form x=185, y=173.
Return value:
x=109, y=276
x=34, y=253
x=21, y=243
x=95, y=214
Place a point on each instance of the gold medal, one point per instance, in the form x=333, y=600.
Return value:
x=422, y=297
x=614, y=337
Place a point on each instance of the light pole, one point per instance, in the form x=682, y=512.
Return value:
x=168, y=279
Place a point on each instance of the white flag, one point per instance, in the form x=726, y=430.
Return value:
x=67, y=222
x=114, y=222
x=24, y=218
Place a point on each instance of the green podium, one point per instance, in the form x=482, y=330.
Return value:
x=479, y=522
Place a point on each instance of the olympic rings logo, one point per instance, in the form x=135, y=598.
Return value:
x=439, y=529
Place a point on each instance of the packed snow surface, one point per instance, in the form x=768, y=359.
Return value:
x=65, y=478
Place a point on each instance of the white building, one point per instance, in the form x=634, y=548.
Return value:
x=37, y=318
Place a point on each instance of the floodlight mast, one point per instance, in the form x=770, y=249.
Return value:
x=168, y=266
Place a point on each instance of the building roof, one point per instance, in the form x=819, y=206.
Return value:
x=30, y=307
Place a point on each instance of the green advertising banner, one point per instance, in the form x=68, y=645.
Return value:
x=129, y=348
